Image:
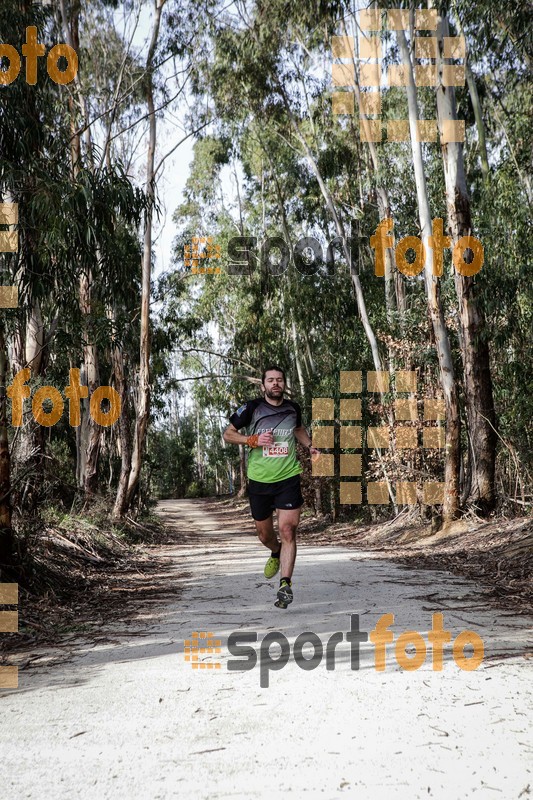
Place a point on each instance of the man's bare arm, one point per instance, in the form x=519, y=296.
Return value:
x=232, y=436
x=302, y=436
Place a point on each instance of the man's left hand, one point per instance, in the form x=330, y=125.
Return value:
x=314, y=453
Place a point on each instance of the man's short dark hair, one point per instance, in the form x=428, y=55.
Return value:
x=269, y=369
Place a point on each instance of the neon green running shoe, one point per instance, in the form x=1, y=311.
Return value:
x=271, y=567
x=285, y=595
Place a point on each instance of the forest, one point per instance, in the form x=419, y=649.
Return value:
x=309, y=190
x=266, y=399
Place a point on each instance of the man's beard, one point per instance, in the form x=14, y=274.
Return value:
x=274, y=394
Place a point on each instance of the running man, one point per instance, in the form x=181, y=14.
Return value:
x=273, y=423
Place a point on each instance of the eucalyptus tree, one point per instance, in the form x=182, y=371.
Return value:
x=498, y=38
x=474, y=339
x=435, y=306
x=75, y=221
x=258, y=69
x=119, y=94
x=32, y=138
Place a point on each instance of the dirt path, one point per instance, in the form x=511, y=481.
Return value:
x=128, y=717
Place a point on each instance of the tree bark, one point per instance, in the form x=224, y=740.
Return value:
x=143, y=388
x=90, y=431
x=30, y=444
x=242, y=472
x=297, y=357
x=394, y=281
x=88, y=434
x=474, y=341
x=7, y=540
x=436, y=313
x=339, y=228
x=123, y=423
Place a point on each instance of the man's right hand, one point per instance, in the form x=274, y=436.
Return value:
x=266, y=438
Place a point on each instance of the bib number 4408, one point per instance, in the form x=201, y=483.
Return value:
x=276, y=450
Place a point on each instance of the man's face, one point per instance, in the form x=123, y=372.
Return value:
x=274, y=385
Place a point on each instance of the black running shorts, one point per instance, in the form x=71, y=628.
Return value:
x=265, y=497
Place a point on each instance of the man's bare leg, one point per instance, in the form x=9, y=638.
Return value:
x=266, y=533
x=288, y=522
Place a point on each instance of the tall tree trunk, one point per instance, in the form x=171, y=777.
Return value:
x=347, y=250
x=442, y=342
x=480, y=125
x=30, y=442
x=309, y=356
x=288, y=239
x=339, y=228
x=90, y=431
x=29, y=340
x=123, y=423
x=297, y=357
x=143, y=388
x=7, y=540
x=474, y=341
x=242, y=471
x=88, y=434
x=35, y=339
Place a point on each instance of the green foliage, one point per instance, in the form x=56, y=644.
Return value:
x=170, y=461
x=265, y=77
x=260, y=86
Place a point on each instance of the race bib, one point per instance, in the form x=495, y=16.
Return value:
x=275, y=451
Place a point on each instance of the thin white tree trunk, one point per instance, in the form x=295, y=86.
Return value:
x=143, y=396
x=436, y=313
x=123, y=423
x=394, y=280
x=34, y=339
x=339, y=228
x=297, y=357
x=88, y=434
